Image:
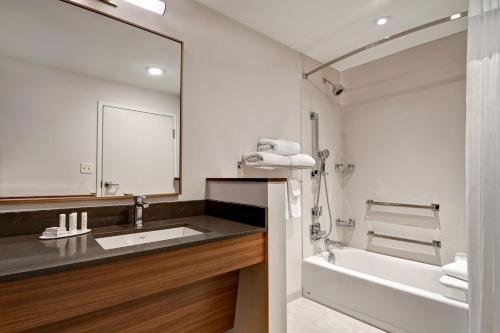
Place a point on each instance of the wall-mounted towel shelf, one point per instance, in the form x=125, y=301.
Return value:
x=433, y=207
x=433, y=243
x=271, y=166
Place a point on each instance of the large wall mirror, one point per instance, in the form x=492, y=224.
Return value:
x=90, y=105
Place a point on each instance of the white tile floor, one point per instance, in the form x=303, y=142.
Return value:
x=306, y=316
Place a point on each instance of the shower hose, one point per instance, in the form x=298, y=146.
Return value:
x=322, y=174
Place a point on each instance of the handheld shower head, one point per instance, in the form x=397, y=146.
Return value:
x=337, y=89
x=323, y=154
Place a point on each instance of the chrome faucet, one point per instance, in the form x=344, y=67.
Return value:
x=315, y=231
x=330, y=246
x=139, y=206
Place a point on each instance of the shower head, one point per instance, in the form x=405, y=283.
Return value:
x=337, y=89
x=323, y=154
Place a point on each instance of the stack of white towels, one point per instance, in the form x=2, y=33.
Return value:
x=278, y=153
x=455, y=278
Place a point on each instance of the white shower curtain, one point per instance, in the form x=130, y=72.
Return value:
x=483, y=165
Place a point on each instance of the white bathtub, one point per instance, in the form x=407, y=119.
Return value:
x=393, y=294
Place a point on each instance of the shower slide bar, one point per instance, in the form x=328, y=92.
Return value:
x=387, y=39
x=434, y=207
x=434, y=243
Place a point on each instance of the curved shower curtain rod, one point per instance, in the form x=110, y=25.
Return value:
x=387, y=39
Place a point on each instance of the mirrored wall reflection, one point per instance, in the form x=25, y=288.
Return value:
x=90, y=106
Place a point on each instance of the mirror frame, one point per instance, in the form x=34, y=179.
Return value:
x=87, y=197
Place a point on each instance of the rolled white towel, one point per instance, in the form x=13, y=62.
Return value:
x=263, y=158
x=452, y=282
x=458, y=268
x=278, y=146
x=302, y=160
x=454, y=288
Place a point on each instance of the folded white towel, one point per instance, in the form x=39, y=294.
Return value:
x=454, y=288
x=269, y=159
x=455, y=283
x=260, y=158
x=302, y=160
x=278, y=146
x=458, y=268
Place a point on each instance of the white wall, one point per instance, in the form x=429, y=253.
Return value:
x=404, y=128
x=49, y=126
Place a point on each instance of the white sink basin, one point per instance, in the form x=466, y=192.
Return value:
x=114, y=242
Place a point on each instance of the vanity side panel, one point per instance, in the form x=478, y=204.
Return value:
x=276, y=257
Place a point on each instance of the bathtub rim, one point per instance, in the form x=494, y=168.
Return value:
x=319, y=260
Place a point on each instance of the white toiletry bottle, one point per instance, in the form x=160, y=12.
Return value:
x=72, y=222
x=84, y=221
x=62, y=221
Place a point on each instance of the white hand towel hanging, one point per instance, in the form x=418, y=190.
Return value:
x=293, y=199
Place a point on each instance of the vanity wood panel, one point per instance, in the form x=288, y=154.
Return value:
x=34, y=302
x=205, y=306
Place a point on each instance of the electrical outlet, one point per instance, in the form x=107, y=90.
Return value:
x=86, y=168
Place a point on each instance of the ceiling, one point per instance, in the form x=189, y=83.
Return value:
x=63, y=36
x=326, y=29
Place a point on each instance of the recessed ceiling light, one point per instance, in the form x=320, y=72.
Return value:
x=455, y=16
x=156, y=6
x=382, y=20
x=155, y=71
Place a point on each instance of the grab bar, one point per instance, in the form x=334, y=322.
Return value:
x=434, y=243
x=433, y=207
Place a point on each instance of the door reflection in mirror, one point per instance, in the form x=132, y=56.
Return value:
x=136, y=150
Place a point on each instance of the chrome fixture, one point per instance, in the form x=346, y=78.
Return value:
x=385, y=40
x=322, y=155
x=317, y=211
x=434, y=206
x=350, y=223
x=434, y=243
x=314, y=117
x=344, y=168
x=319, y=155
x=139, y=206
x=320, y=172
x=337, y=89
x=316, y=232
x=330, y=246
x=109, y=183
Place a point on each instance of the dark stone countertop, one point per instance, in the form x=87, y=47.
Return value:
x=27, y=256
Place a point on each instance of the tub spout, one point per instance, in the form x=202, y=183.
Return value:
x=330, y=246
